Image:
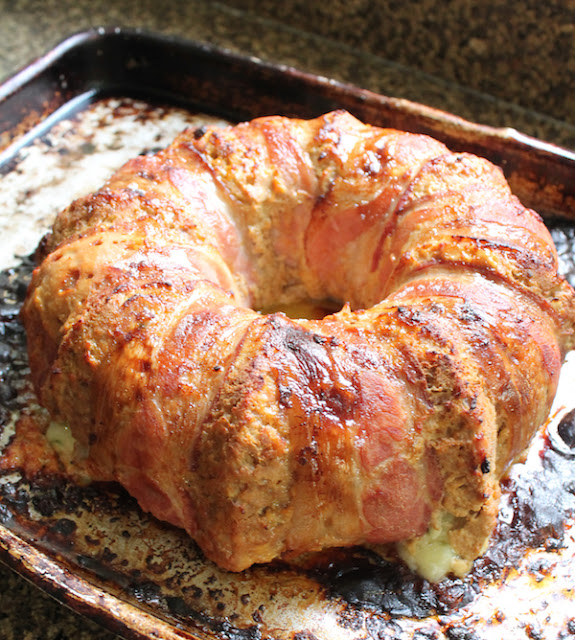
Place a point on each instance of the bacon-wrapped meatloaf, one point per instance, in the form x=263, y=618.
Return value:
x=266, y=436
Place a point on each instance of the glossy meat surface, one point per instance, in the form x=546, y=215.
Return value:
x=266, y=436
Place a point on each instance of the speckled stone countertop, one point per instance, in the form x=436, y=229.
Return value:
x=495, y=62
x=498, y=63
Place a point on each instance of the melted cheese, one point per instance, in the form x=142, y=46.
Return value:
x=61, y=440
x=431, y=555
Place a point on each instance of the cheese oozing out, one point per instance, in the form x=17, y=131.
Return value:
x=60, y=437
x=431, y=555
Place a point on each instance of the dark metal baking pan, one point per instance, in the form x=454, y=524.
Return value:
x=93, y=549
x=201, y=77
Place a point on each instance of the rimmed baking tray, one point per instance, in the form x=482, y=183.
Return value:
x=92, y=548
x=120, y=62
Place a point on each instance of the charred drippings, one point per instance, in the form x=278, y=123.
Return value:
x=425, y=635
x=178, y=609
x=13, y=360
x=304, y=635
x=63, y=531
x=542, y=502
x=15, y=498
x=460, y=633
x=51, y=498
x=380, y=585
x=55, y=498
x=365, y=579
x=566, y=430
x=564, y=239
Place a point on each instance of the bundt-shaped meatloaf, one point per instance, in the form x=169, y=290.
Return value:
x=266, y=436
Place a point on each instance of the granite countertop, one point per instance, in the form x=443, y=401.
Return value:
x=454, y=58
x=333, y=48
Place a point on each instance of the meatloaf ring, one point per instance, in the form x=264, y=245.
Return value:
x=391, y=420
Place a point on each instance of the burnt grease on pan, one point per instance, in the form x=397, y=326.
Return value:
x=564, y=239
x=537, y=508
x=13, y=360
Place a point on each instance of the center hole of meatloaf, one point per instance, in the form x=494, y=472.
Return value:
x=305, y=309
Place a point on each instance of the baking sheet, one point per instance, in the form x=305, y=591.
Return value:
x=90, y=545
